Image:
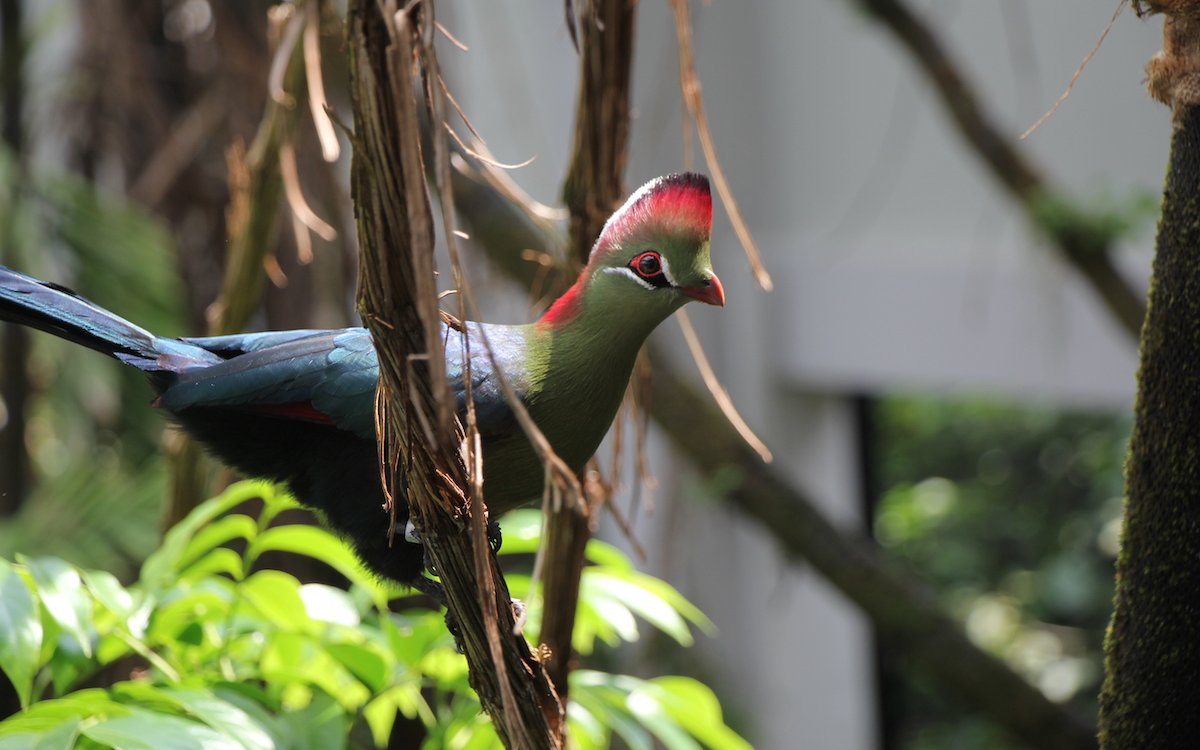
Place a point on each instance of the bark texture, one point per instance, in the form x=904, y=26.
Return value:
x=424, y=452
x=592, y=190
x=1151, y=688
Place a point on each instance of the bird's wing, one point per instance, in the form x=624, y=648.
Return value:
x=494, y=416
x=317, y=376
x=330, y=376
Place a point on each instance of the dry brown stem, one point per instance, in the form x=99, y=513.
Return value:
x=689, y=84
x=592, y=189
x=424, y=448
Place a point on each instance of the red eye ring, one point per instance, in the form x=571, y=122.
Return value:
x=648, y=265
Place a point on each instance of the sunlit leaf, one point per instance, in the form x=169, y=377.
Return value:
x=160, y=568
x=219, y=714
x=221, y=531
x=695, y=707
x=20, y=631
x=64, y=597
x=276, y=596
x=319, y=544
x=148, y=730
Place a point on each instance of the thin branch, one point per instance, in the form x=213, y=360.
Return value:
x=592, y=189
x=718, y=392
x=1078, y=72
x=330, y=148
x=689, y=84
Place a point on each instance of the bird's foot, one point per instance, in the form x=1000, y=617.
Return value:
x=520, y=615
x=430, y=588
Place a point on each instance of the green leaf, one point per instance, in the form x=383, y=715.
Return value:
x=646, y=707
x=320, y=544
x=20, y=631
x=44, y=716
x=147, y=730
x=612, y=613
x=321, y=725
x=220, y=561
x=64, y=597
x=611, y=713
x=61, y=737
x=300, y=660
x=204, y=705
x=161, y=567
x=522, y=531
x=638, y=593
x=363, y=662
x=18, y=741
x=695, y=707
x=109, y=592
x=329, y=604
x=219, y=532
x=607, y=556
x=586, y=731
x=206, y=603
x=276, y=596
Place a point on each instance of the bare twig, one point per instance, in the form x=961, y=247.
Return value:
x=719, y=394
x=592, y=189
x=330, y=148
x=1078, y=72
x=689, y=84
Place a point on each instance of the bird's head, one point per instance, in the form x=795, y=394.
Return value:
x=652, y=256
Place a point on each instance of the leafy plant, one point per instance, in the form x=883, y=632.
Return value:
x=210, y=651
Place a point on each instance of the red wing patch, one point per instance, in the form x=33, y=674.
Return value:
x=303, y=411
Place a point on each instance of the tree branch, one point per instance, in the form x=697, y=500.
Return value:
x=592, y=189
x=424, y=450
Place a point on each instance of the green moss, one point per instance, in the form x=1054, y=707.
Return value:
x=1151, y=688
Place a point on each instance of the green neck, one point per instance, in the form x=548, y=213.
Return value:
x=581, y=354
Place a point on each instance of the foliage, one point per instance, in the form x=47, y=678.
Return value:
x=1013, y=514
x=209, y=650
x=93, y=438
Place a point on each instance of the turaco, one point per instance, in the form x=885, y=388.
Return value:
x=298, y=406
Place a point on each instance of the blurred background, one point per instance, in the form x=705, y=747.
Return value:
x=927, y=369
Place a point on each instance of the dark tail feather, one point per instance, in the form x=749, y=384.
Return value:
x=62, y=312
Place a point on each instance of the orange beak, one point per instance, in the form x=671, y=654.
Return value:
x=710, y=292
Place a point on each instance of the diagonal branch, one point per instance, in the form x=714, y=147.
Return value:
x=425, y=452
x=1080, y=239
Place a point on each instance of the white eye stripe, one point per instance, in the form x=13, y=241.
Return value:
x=666, y=270
x=627, y=272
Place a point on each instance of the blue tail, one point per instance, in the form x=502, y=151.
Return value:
x=62, y=312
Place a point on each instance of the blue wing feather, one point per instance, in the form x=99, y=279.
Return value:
x=336, y=372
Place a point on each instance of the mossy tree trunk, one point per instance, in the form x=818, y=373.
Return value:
x=1151, y=693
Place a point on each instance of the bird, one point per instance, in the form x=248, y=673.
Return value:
x=298, y=407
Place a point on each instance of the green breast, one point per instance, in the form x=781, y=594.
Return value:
x=574, y=388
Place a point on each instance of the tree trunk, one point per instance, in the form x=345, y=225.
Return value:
x=1151, y=691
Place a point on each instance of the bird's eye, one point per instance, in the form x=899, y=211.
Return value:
x=647, y=265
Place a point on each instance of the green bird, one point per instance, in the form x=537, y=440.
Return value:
x=298, y=406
